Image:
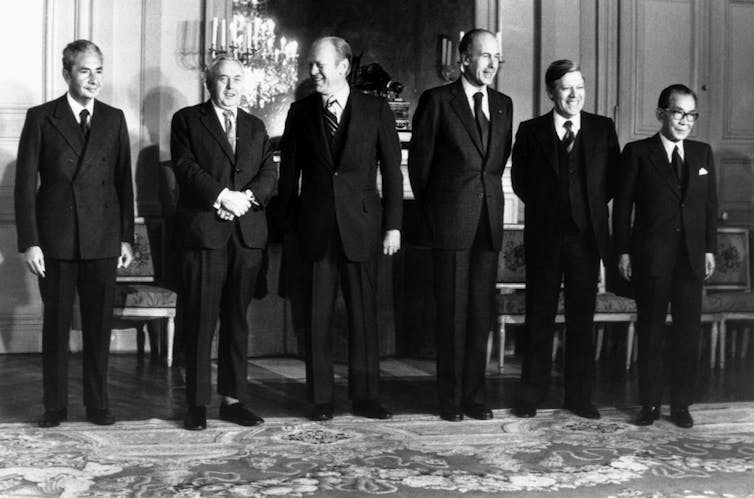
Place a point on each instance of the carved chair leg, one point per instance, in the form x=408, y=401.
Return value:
x=171, y=336
x=745, y=342
x=501, y=352
x=714, y=335
x=722, y=344
x=600, y=338
x=630, y=336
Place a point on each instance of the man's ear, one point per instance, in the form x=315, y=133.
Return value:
x=658, y=113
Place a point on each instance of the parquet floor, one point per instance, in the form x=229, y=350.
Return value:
x=141, y=389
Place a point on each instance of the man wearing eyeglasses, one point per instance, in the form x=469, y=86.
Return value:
x=564, y=166
x=461, y=141
x=669, y=184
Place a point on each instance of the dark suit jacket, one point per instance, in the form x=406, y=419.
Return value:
x=662, y=213
x=343, y=190
x=451, y=175
x=83, y=206
x=205, y=164
x=535, y=178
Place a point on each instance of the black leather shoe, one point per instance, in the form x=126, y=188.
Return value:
x=195, y=419
x=587, y=410
x=99, y=416
x=322, y=412
x=239, y=414
x=370, y=409
x=479, y=412
x=524, y=411
x=681, y=417
x=647, y=415
x=52, y=418
x=451, y=414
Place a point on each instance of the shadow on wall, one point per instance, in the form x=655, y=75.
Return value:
x=15, y=294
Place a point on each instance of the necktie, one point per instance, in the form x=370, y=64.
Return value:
x=331, y=116
x=677, y=163
x=230, y=131
x=482, y=123
x=84, y=123
x=568, y=137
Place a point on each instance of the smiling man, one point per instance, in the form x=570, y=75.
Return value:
x=460, y=144
x=333, y=144
x=668, y=182
x=223, y=164
x=564, y=168
x=74, y=217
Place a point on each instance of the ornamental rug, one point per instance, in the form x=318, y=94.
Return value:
x=553, y=454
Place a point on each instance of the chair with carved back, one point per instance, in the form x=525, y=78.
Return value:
x=139, y=301
x=728, y=294
x=511, y=299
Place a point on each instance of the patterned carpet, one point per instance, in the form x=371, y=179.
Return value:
x=554, y=454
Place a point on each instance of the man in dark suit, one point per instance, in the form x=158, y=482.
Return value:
x=333, y=142
x=223, y=164
x=460, y=144
x=564, y=165
x=76, y=227
x=669, y=184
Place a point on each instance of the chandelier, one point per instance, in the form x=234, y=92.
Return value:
x=270, y=62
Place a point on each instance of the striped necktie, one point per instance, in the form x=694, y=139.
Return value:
x=568, y=137
x=331, y=116
x=84, y=123
x=230, y=130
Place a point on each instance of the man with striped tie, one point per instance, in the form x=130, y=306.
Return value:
x=333, y=143
x=223, y=164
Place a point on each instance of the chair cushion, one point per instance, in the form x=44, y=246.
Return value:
x=613, y=303
x=515, y=304
x=143, y=296
x=730, y=302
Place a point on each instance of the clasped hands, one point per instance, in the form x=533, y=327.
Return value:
x=234, y=203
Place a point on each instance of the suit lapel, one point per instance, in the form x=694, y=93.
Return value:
x=210, y=121
x=460, y=105
x=497, y=125
x=243, y=131
x=315, y=129
x=547, y=140
x=64, y=121
x=659, y=160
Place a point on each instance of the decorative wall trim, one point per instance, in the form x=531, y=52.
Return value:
x=730, y=97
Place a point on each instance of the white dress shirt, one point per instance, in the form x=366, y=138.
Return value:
x=341, y=96
x=77, y=108
x=560, y=122
x=470, y=90
x=669, y=145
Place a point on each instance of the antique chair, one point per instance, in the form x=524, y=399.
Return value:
x=511, y=300
x=728, y=293
x=139, y=302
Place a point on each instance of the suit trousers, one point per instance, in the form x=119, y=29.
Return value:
x=94, y=279
x=216, y=283
x=668, y=353
x=465, y=293
x=358, y=283
x=574, y=260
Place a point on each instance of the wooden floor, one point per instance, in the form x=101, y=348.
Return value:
x=142, y=389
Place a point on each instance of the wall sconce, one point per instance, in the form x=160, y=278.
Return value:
x=448, y=66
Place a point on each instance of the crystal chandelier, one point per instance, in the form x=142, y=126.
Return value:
x=271, y=63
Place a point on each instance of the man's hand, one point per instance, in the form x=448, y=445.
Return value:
x=253, y=200
x=392, y=242
x=709, y=265
x=126, y=255
x=235, y=202
x=624, y=266
x=35, y=260
x=225, y=215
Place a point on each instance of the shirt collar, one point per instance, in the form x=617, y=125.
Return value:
x=470, y=90
x=669, y=145
x=77, y=108
x=341, y=95
x=560, y=122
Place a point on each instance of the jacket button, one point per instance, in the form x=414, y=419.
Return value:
x=335, y=174
x=238, y=170
x=481, y=196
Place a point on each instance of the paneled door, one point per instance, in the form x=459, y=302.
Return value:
x=707, y=45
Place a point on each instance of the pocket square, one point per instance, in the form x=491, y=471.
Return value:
x=703, y=171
